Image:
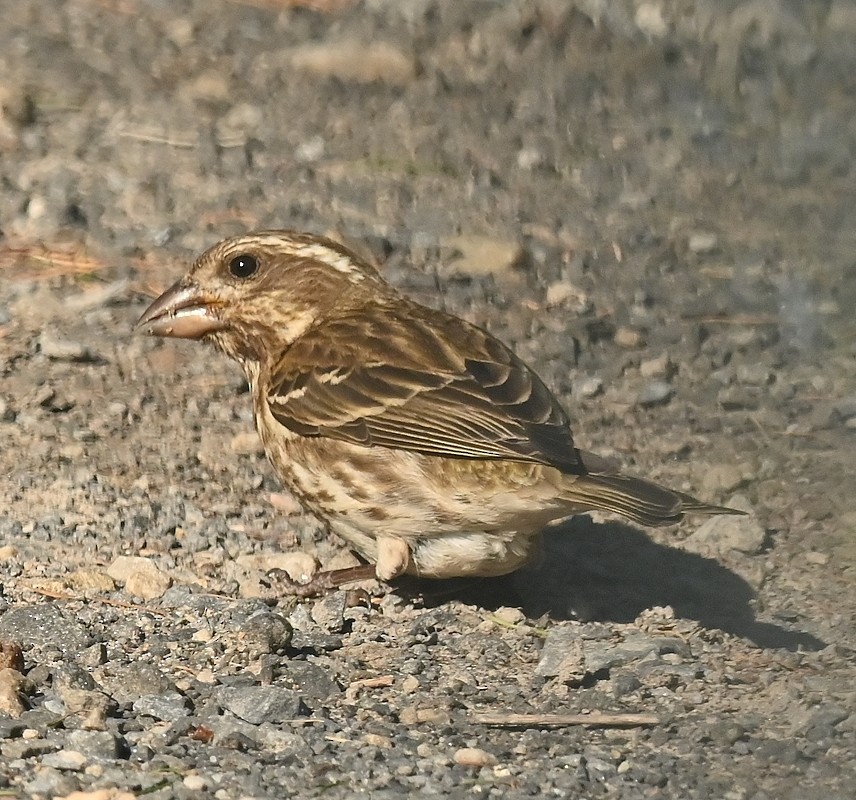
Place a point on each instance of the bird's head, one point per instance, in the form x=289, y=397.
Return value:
x=257, y=293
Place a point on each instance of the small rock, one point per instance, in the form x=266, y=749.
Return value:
x=700, y=242
x=49, y=782
x=300, y=567
x=845, y=408
x=509, y=615
x=655, y=393
x=136, y=679
x=588, y=387
x=63, y=349
x=141, y=576
x=90, y=579
x=100, y=745
x=310, y=151
x=170, y=706
x=69, y=760
x=13, y=686
x=329, y=612
x=354, y=61
x=628, y=338
x=754, y=374
x=195, y=783
x=11, y=656
x=600, y=655
x=814, y=557
x=44, y=625
x=737, y=398
x=258, y=704
x=649, y=19
x=264, y=632
x=8, y=552
x=562, y=655
x=720, y=534
x=473, y=757
x=562, y=293
x=247, y=443
x=482, y=256
x=721, y=479
x=659, y=367
x=100, y=794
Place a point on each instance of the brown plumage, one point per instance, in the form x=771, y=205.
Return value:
x=420, y=439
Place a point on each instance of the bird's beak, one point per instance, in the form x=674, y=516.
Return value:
x=183, y=312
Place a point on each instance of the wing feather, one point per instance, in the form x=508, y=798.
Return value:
x=421, y=381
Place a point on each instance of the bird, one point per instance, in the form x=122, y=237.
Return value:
x=418, y=438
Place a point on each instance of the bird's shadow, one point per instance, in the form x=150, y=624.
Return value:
x=611, y=572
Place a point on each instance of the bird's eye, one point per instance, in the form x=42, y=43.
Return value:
x=244, y=266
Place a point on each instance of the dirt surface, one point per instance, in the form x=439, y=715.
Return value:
x=653, y=202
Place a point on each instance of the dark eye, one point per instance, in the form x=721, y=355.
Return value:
x=244, y=265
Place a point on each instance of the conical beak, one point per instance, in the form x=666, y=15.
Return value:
x=182, y=312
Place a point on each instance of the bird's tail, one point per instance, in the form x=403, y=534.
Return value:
x=642, y=501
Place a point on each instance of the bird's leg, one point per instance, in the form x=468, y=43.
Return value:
x=321, y=582
x=393, y=558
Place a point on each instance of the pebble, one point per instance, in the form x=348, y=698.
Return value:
x=59, y=349
x=140, y=576
x=90, y=579
x=600, y=655
x=258, y=704
x=329, y=612
x=247, y=443
x=628, y=338
x=265, y=632
x=356, y=62
x=655, y=393
x=562, y=654
x=299, y=566
x=562, y=293
x=720, y=534
x=482, y=256
x=13, y=685
x=473, y=757
x=71, y=760
x=169, y=706
x=11, y=656
x=102, y=745
x=701, y=242
x=659, y=367
x=50, y=782
x=589, y=387
x=42, y=625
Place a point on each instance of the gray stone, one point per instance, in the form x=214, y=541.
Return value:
x=329, y=612
x=50, y=782
x=562, y=654
x=100, y=745
x=170, y=706
x=264, y=632
x=601, y=655
x=43, y=626
x=655, y=393
x=718, y=535
x=258, y=704
x=129, y=682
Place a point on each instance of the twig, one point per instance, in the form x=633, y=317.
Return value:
x=733, y=319
x=594, y=720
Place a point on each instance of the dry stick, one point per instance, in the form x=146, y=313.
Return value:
x=563, y=720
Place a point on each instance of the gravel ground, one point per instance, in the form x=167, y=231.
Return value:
x=652, y=201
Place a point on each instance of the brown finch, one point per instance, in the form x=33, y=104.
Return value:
x=418, y=438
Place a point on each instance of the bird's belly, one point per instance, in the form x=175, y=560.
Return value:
x=454, y=526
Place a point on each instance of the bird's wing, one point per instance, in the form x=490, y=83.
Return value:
x=422, y=381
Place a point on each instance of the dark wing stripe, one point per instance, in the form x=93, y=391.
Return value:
x=422, y=381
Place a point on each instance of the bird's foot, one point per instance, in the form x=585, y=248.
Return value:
x=321, y=582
